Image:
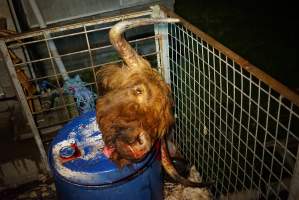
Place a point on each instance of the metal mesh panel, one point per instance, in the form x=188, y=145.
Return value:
x=238, y=130
x=83, y=48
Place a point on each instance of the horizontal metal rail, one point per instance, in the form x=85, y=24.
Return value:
x=40, y=32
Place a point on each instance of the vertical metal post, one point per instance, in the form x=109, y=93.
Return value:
x=26, y=109
x=18, y=28
x=162, y=43
x=51, y=44
x=294, y=185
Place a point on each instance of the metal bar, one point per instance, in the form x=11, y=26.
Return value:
x=184, y=99
x=156, y=14
x=285, y=156
x=91, y=59
x=227, y=142
x=17, y=45
x=276, y=132
x=276, y=85
x=78, y=25
x=162, y=44
x=208, y=132
x=26, y=108
x=233, y=122
x=294, y=185
x=194, y=102
x=240, y=133
x=220, y=125
x=214, y=119
x=18, y=28
x=58, y=37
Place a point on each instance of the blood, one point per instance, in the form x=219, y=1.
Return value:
x=107, y=151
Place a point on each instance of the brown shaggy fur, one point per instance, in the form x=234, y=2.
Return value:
x=137, y=101
x=136, y=108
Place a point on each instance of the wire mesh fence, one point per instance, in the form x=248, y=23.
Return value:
x=236, y=128
x=83, y=48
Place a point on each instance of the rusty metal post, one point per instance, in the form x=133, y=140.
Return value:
x=162, y=43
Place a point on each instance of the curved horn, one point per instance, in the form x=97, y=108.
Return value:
x=127, y=53
x=172, y=172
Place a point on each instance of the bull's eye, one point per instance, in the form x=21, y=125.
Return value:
x=139, y=140
x=138, y=91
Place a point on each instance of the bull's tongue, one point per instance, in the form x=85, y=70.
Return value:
x=107, y=151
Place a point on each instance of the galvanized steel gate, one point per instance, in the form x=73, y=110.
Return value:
x=234, y=122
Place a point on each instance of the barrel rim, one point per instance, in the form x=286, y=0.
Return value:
x=153, y=157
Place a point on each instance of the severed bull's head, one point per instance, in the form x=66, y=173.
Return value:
x=136, y=108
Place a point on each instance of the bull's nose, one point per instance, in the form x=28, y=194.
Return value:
x=136, y=153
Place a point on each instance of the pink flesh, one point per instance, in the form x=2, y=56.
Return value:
x=107, y=151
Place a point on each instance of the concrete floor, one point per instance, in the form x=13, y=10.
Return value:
x=42, y=189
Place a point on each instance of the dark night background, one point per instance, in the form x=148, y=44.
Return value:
x=262, y=32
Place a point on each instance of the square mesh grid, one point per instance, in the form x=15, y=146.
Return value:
x=236, y=129
x=82, y=48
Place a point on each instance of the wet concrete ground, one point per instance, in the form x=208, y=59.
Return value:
x=19, y=159
x=44, y=189
x=41, y=189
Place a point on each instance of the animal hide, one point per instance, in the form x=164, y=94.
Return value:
x=136, y=108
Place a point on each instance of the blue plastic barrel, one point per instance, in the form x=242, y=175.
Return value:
x=81, y=171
